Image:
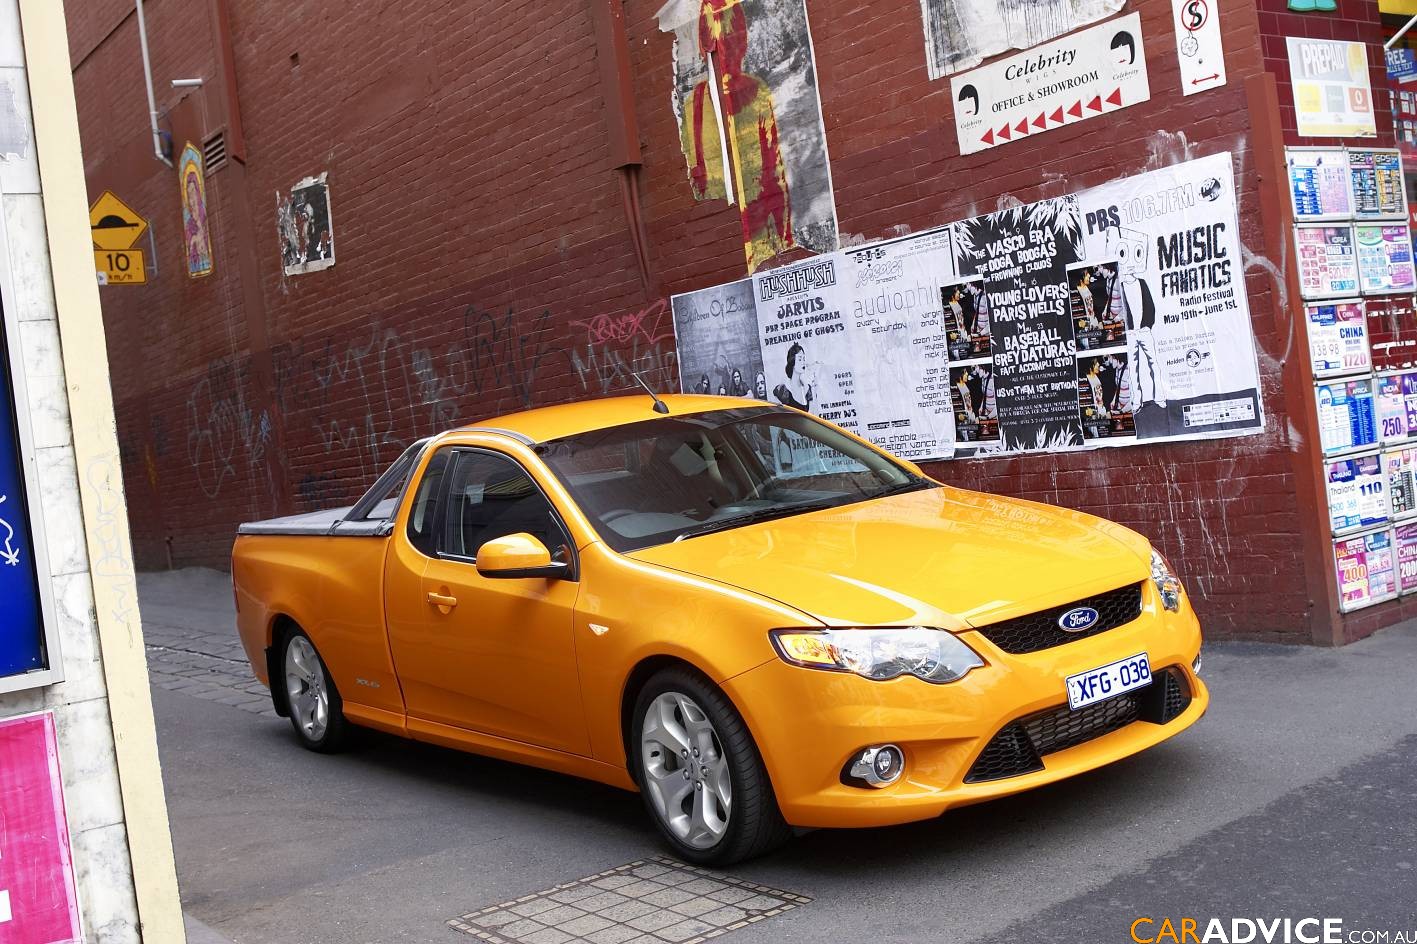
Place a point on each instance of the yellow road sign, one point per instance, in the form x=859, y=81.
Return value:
x=120, y=267
x=115, y=224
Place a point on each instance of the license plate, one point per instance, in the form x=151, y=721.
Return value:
x=1108, y=681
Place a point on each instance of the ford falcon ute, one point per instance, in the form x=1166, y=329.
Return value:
x=754, y=618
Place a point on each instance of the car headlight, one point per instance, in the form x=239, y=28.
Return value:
x=881, y=654
x=1167, y=583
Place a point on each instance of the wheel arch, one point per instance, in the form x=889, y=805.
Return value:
x=639, y=676
x=281, y=626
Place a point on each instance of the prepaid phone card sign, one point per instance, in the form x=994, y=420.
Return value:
x=1338, y=338
x=1328, y=262
x=1384, y=253
x=1378, y=190
x=1357, y=493
x=1366, y=568
x=1332, y=95
x=1319, y=182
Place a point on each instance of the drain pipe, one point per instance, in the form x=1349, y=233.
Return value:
x=148, y=76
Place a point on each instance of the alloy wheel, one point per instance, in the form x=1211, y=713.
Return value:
x=686, y=775
x=307, y=689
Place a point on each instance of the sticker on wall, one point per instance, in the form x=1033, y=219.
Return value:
x=1357, y=493
x=1366, y=569
x=1095, y=72
x=1347, y=416
x=960, y=34
x=1319, y=183
x=1376, y=177
x=196, y=236
x=305, y=228
x=1384, y=253
x=750, y=63
x=1332, y=96
x=1338, y=338
x=1198, y=45
x=38, y=902
x=1328, y=265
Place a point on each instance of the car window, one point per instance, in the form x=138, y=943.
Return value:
x=490, y=496
x=381, y=502
x=422, y=522
x=667, y=479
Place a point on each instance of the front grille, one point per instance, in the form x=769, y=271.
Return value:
x=1019, y=748
x=1038, y=631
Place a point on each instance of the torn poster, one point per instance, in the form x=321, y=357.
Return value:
x=745, y=95
x=960, y=34
x=196, y=236
x=307, y=236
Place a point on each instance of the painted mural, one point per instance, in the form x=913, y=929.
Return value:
x=196, y=237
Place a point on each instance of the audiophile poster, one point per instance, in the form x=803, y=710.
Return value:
x=898, y=316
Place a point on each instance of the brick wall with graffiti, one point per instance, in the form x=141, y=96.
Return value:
x=492, y=258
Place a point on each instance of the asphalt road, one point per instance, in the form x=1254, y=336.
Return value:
x=1295, y=797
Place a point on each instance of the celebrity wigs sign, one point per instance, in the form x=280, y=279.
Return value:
x=1108, y=317
x=1083, y=75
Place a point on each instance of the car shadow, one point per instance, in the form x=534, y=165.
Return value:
x=1012, y=828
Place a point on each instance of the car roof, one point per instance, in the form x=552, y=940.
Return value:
x=583, y=416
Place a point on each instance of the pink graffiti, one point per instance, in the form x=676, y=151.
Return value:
x=647, y=325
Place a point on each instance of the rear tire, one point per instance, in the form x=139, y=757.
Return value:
x=700, y=774
x=316, y=709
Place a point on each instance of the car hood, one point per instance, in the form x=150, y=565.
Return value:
x=938, y=557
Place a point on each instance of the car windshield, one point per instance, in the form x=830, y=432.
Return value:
x=676, y=478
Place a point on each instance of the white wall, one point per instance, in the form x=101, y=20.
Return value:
x=86, y=754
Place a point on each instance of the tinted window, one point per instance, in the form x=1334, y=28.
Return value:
x=490, y=496
x=668, y=479
x=422, y=524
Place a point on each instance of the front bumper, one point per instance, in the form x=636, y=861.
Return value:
x=808, y=723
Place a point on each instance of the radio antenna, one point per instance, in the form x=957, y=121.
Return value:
x=659, y=405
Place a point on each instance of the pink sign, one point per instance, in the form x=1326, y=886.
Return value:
x=37, y=900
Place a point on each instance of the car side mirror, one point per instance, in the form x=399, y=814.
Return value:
x=517, y=555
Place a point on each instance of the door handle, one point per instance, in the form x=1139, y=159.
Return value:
x=442, y=600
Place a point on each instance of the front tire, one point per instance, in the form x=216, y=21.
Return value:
x=316, y=709
x=700, y=773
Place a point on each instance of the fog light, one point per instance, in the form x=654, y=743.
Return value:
x=1196, y=665
x=879, y=766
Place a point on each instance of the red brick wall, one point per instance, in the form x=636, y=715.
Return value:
x=478, y=230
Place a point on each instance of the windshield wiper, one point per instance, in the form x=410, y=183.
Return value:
x=763, y=514
x=910, y=485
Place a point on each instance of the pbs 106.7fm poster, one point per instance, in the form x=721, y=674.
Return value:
x=1112, y=316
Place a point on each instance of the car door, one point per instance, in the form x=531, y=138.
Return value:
x=493, y=655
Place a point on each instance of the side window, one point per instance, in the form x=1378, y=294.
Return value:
x=491, y=496
x=422, y=523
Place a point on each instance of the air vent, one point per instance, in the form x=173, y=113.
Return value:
x=214, y=151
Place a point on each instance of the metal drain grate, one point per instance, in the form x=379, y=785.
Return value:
x=649, y=901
